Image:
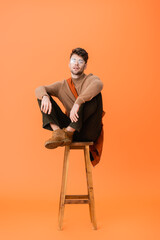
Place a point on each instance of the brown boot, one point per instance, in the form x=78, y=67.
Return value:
x=60, y=137
x=68, y=137
x=56, y=140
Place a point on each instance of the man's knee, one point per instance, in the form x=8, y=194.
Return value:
x=93, y=107
x=39, y=102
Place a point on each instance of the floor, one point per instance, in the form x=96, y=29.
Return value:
x=117, y=219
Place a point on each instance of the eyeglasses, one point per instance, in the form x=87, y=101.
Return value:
x=80, y=61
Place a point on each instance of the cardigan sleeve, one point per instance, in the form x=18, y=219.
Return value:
x=93, y=88
x=52, y=89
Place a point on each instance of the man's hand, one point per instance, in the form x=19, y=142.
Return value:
x=73, y=113
x=46, y=105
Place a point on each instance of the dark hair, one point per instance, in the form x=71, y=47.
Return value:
x=80, y=52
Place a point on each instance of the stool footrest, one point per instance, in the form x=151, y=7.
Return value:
x=76, y=199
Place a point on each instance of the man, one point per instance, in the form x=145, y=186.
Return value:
x=81, y=97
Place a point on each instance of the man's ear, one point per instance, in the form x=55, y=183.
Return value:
x=85, y=66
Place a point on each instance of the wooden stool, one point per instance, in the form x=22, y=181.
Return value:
x=77, y=199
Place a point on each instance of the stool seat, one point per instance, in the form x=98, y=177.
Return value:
x=80, y=145
x=77, y=199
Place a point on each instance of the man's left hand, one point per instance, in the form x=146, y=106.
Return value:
x=74, y=113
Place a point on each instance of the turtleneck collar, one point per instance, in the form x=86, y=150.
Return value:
x=79, y=78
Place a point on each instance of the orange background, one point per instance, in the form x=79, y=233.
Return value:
x=122, y=39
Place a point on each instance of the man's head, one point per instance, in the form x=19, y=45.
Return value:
x=78, y=61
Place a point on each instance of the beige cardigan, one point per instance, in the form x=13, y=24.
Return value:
x=87, y=87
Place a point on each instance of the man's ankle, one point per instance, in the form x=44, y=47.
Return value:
x=54, y=126
x=70, y=129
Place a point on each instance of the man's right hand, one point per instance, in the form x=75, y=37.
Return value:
x=46, y=105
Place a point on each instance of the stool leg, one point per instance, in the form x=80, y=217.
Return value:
x=90, y=187
x=63, y=186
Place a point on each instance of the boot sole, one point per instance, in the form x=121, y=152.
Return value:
x=52, y=145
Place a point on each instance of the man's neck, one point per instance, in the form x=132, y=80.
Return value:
x=76, y=76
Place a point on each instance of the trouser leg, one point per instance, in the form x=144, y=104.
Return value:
x=90, y=124
x=56, y=116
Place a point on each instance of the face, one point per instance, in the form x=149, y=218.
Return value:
x=77, y=64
